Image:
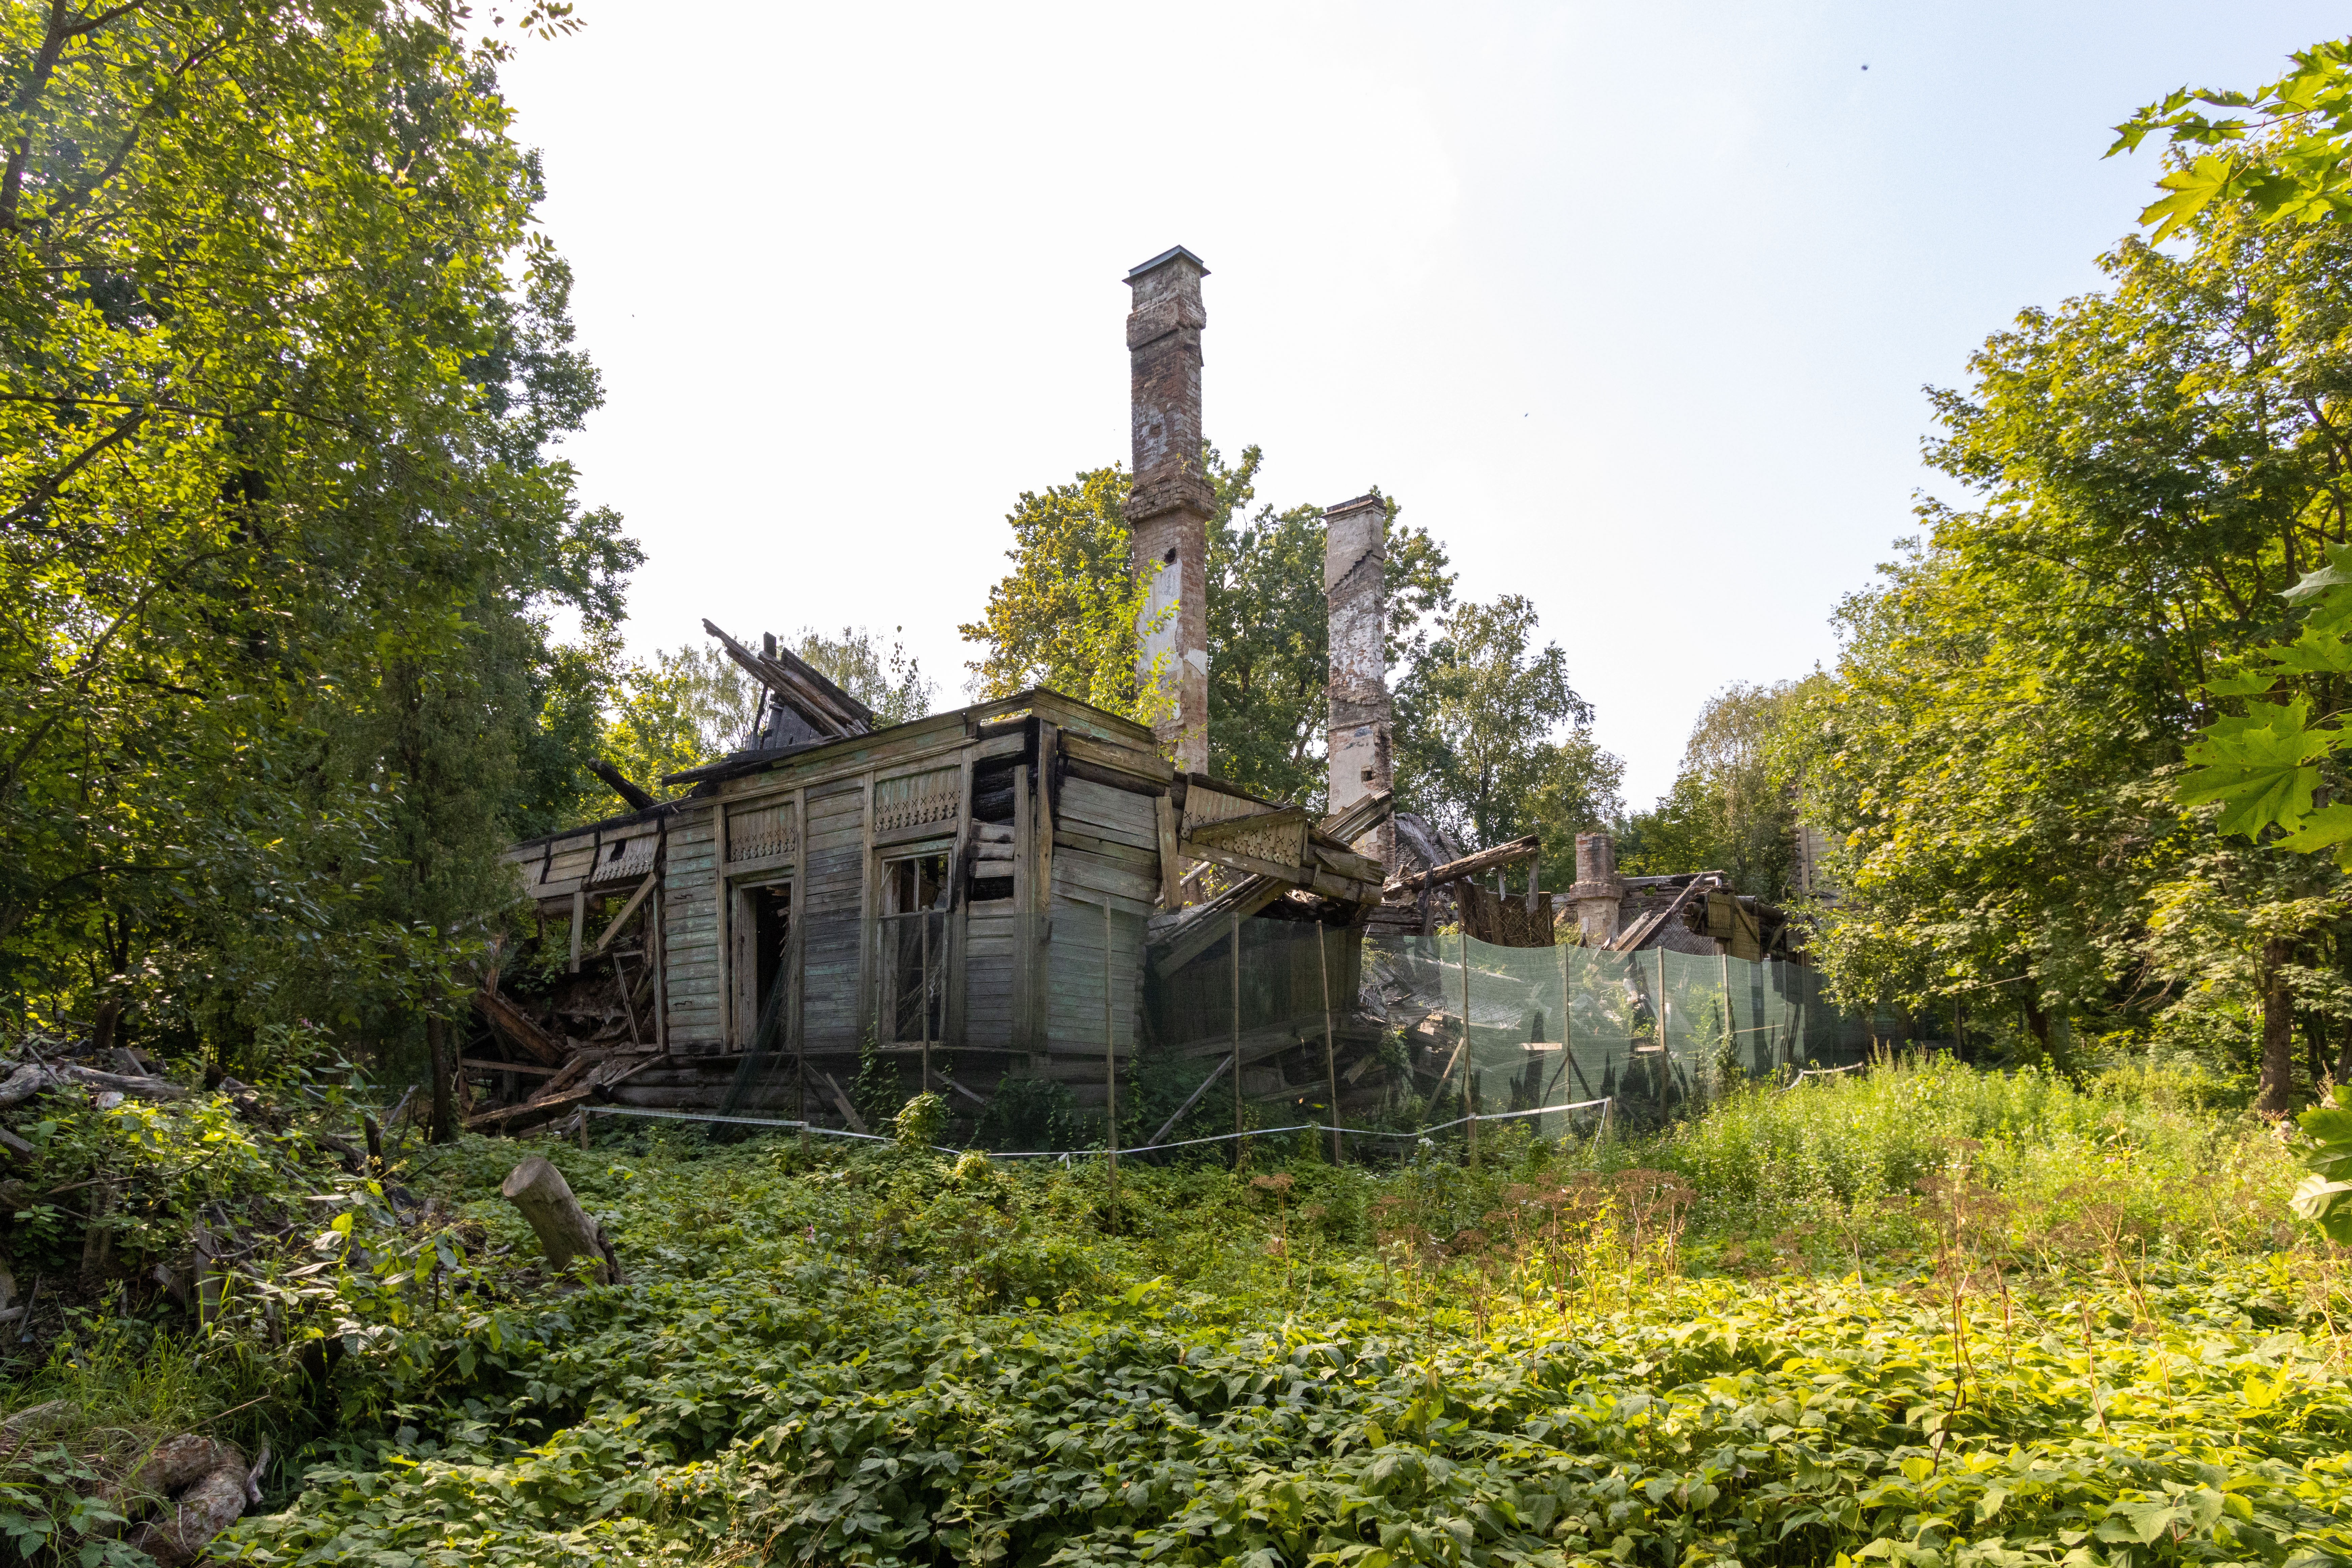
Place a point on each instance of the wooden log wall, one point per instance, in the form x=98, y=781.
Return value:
x=690, y=937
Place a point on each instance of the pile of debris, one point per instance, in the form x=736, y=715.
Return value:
x=542, y=1071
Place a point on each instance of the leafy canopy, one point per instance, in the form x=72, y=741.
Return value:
x=280, y=363
x=2284, y=159
x=2149, y=466
x=1732, y=807
x=1493, y=741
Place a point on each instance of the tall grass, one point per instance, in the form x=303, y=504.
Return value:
x=2146, y=1142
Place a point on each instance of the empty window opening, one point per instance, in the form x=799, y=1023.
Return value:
x=914, y=944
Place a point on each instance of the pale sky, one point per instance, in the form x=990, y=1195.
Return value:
x=1630, y=304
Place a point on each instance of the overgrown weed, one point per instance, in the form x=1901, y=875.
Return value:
x=1742, y=1338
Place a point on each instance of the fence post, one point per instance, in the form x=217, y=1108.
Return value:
x=1237, y=945
x=1730, y=1034
x=1110, y=1066
x=924, y=932
x=1469, y=1057
x=1664, y=1048
x=1330, y=1057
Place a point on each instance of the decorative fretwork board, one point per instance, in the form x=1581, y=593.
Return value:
x=1283, y=844
x=624, y=861
x=913, y=800
x=762, y=832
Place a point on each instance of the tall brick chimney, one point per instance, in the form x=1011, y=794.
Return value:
x=1168, y=510
x=1355, y=594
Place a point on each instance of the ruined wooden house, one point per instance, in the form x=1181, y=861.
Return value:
x=1007, y=890
x=970, y=893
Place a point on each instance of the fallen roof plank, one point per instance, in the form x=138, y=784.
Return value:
x=1347, y=826
x=1200, y=928
x=529, y=1070
x=515, y=1024
x=510, y=1118
x=1631, y=939
x=829, y=710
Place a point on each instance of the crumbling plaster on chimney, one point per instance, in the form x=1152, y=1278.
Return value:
x=1359, y=747
x=1168, y=504
x=1599, y=892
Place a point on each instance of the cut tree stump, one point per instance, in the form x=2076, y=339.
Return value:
x=564, y=1230
x=206, y=1485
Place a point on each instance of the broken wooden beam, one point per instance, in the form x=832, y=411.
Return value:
x=514, y=1117
x=517, y=1025
x=529, y=1070
x=1469, y=865
x=1359, y=819
x=627, y=909
x=848, y=1111
x=830, y=711
x=35, y=1078
x=619, y=783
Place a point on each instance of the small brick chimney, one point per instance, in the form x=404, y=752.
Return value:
x=1167, y=509
x=1599, y=893
x=1355, y=594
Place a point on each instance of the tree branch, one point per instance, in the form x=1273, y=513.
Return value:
x=47, y=491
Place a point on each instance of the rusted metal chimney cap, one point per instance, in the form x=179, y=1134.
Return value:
x=1171, y=254
x=1360, y=504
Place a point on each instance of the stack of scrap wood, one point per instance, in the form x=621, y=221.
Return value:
x=573, y=1072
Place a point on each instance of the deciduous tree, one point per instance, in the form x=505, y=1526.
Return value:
x=280, y=363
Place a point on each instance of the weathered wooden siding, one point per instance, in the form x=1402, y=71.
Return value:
x=1105, y=843
x=1073, y=1013
x=690, y=937
x=834, y=906
x=992, y=957
x=1106, y=852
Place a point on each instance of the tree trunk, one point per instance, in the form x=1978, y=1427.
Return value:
x=437, y=1047
x=2046, y=1034
x=102, y=1031
x=564, y=1230
x=2277, y=1092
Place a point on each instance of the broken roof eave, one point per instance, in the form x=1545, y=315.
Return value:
x=653, y=813
x=1049, y=704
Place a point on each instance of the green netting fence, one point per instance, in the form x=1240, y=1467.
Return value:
x=1366, y=1034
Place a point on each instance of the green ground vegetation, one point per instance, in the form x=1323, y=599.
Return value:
x=1928, y=1316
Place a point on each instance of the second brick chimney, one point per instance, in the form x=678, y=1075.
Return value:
x=1355, y=594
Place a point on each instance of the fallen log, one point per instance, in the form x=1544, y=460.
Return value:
x=37, y=1078
x=513, y=1118
x=564, y=1230
x=30, y=1423
x=207, y=1484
